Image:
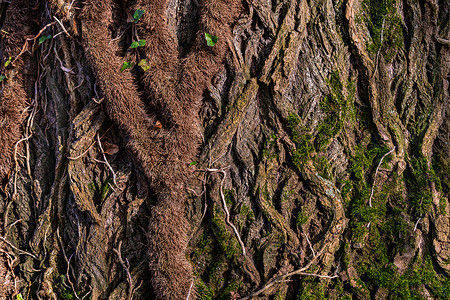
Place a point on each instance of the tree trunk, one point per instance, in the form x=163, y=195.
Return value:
x=225, y=149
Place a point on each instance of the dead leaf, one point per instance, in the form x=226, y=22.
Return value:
x=158, y=125
x=234, y=295
x=109, y=148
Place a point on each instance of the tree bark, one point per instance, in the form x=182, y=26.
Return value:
x=304, y=154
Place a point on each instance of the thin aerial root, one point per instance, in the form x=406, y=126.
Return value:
x=376, y=173
x=126, y=267
x=300, y=271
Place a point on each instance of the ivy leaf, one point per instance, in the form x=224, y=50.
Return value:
x=138, y=15
x=211, y=40
x=44, y=38
x=8, y=61
x=19, y=297
x=193, y=163
x=140, y=43
x=126, y=65
x=2, y=77
x=144, y=65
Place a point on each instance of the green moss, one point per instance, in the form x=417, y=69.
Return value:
x=302, y=218
x=351, y=91
x=92, y=186
x=418, y=180
x=99, y=193
x=322, y=166
x=337, y=108
x=302, y=140
x=376, y=269
x=313, y=288
x=441, y=165
x=62, y=291
x=271, y=150
x=266, y=194
x=204, y=292
x=361, y=164
x=225, y=293
x=312, y=292
x=286, y=195
x=279, y=296
x=212, y=255
x=442, y=206
x=247, y=211
x=226, y=241
x=408, y=285
x=229, y=196
x=293, y=121
x=346, y=188
x=106, y=187
x=385, y=27
x=216, y=275
x=203, y=246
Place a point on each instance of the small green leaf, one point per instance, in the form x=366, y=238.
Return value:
x=2, y=77
x=126, y=65
x=138, y=15
x=144, y=65
x=211, y=40
x=8, y=61
x=44, y=38
x=193, y=163
x=140, y=43
x=19, y=297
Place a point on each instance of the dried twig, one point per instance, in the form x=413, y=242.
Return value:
x=62, y=26
x=24, y=48
x=28, y=134
x=375, y=176
x=68, y=264
x=127, y=270
x=300, y=271
x=442, y=41
x=195, y=193
x=17, y=249
x=98, y=101
x=82, y=154
x=310, y=245
x=227, y=213
x=15, y=222
x=88, y=293
x=16, y=170
x=417, y=224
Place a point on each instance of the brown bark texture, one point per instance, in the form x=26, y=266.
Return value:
x=224, y=149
